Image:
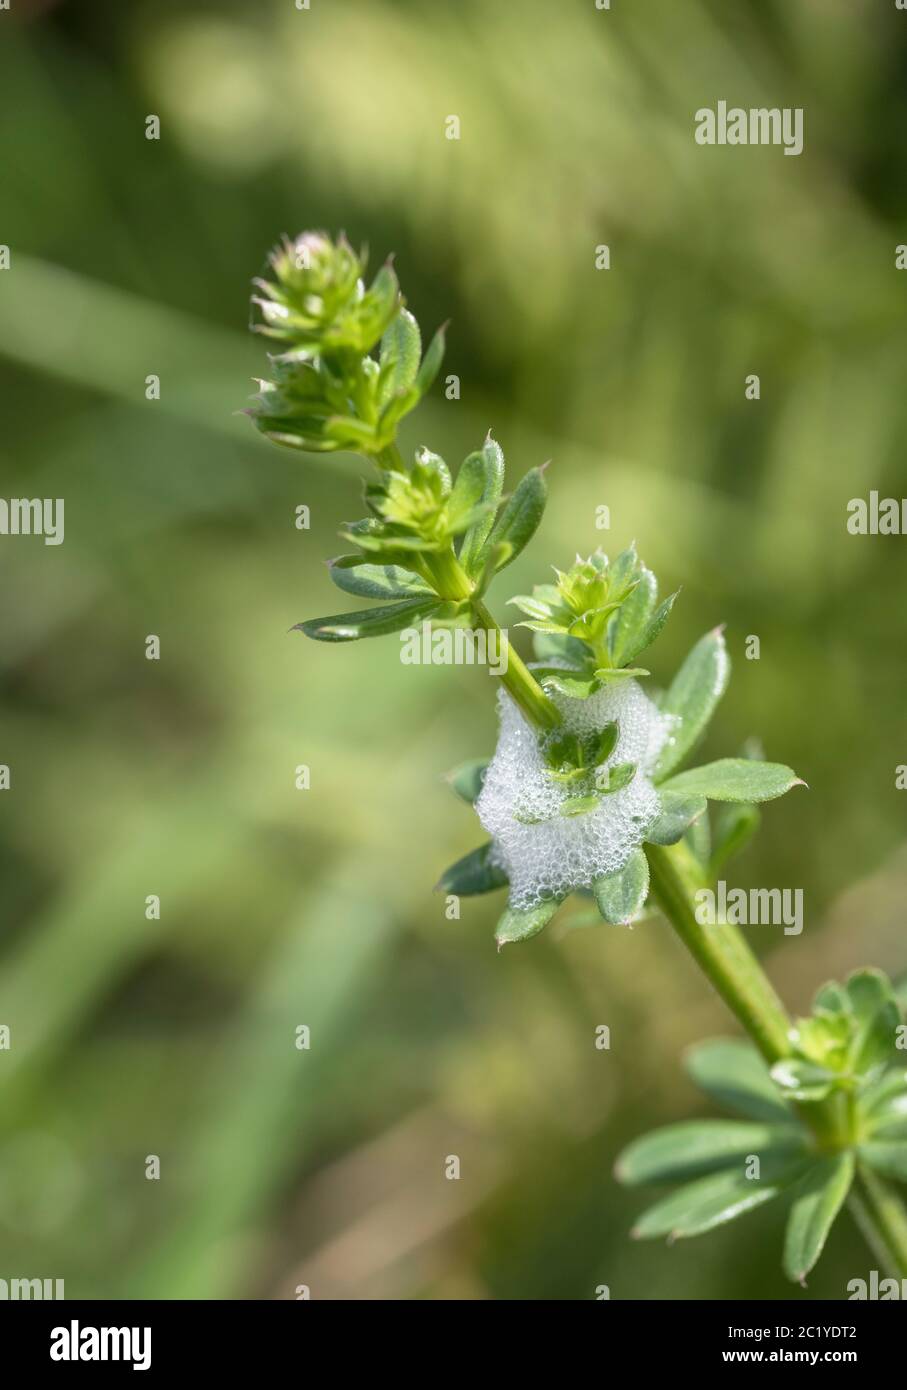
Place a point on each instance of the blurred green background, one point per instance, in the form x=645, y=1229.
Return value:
x=175, y=1037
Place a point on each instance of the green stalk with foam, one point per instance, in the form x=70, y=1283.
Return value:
x=832, y=1103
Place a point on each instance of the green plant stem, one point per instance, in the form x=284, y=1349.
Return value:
x=390, y=457
x=720, y=951
x=880, y=1215
x=519, y=681
x=450, y=578
x=452, y=582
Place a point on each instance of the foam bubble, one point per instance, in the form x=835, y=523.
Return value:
x=554, y=856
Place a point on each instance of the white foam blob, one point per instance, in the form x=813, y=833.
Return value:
x=551, y=858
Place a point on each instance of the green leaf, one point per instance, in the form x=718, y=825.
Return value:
x=431, y=362
x=620, y=896
x=702, y=1146
x=888, y=1157
x=693, y=695
x=471, y=553
x=428, y=466
x=572, y=683
x=520, y=517
x=735, y=825
x=468, y=492
x=519, y=924
x=459, y=521
x=877, y=1018
x=578, y=805
x=533, y=607
x=400, y=404
x=629, y=622
x=388, y=547
x=805, y=1081
x=466, y=779
x=312, y=444
x=546, y=625
x=885, y=1090
x=639, y=632
x=613, y=779
x=823, y=1039
x=735, y=779
x=598, y=746
x=818, y=1197
x=401, y=349
x=548, y=594
x=890, y=1124
x=884, y=1103
x=348, y=432
x=372, y=622
x=474, y=873
x=496, y=556
x=677, y=814
x=379, y=304
x=831, y=998
x=605, y=673
x=625, y=569
x=654, y=625
x=732, y=1073
x=355, y=576
x=709, y=1202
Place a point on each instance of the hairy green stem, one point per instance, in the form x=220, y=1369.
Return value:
x=450, y=578
x=452, y=582
x=520, y=683
x=389, y=457
x=720, y=951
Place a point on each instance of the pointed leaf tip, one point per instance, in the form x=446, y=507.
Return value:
x=621, y=895
x=519, y=924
